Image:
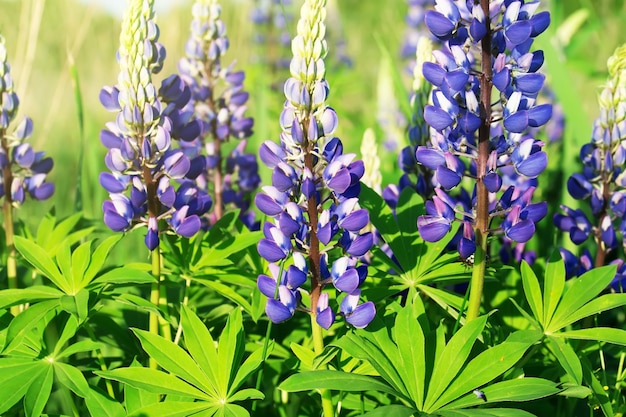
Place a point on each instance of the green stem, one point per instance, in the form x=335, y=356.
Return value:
x=10, y=245
x=101, y=361
x=318, y=347
x=155, y=296
x=478, y=277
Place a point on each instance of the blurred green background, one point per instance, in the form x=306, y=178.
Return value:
x=41, y=36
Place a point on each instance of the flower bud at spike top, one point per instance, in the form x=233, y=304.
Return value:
x=22, y=170
x=369, y=151
x=143, y=161
x=601, y=182
x=312, y=204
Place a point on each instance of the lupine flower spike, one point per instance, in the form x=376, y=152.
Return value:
x=487, y=45
x=313, y=199
x=218, y=103
x=22, y=170
x=143, y=162
x=602, y=182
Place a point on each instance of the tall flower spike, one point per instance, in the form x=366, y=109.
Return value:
x=142, y=160
x=313, y=203
x=602, y=182
x=218, y=103
x=487, y=45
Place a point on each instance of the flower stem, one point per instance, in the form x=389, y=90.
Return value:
x=9, y=233
x=318, y=347
x=482, y=194
x=155, y=296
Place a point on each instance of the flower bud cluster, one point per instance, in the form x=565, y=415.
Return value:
x=22, y=170
x=480, y=52
x=316, y=226
x=218, y=103
x=143, y=163
x=602, y=182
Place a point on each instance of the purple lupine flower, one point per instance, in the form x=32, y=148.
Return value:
x=469, y=142
x=142, y=160
x=272, y=19
x=316, y=226
x=218, y=105
x=22, y=170
x=602, y=182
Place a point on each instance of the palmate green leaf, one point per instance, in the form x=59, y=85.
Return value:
x=72, y=378
x=27, y=320
x=38, y=393
x=125, y=275
x=200, y=344
x=98, y=258
x=553, y=286
x=69, y=330
x=16, y=378
x=76, y=304
x=174, y=359
x=430, y=252
x=12, y=297
x=532, y=291
x=488, y=365
x=486, y=412
x=81, y=257
x=134, y=398
x=81, y=346
x=227, y=292
x=230, y=351
x=452, y=359
x=39, y=258
x=581, y=290
x=450, y=302
x=154, y=381
x=599, y=394
x=602, y=334
x=246, y=394
x=335, y=380
x=101, y=405
x=391, y=411
x=412, y=366
x=521, y=389
x=232, y=410
x=603, y=303
x=174, y=409
x=249, y=366
x=566, y=357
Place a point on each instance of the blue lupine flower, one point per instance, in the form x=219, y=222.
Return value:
x=218, y=106
x=460, y=147
x=140, y=154
x=313, y=199
x=22, y=170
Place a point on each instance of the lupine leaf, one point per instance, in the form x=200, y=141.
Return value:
x=27, y=320
x=246, y=394
x=76, y=304
x=520, y=389
x=532, y=320
x=11, y=297
x=232, y=410
x=37, y=256
x=410, y=340
x=174, y=409
x=229, y=351
x=172, y=358
x=485, y=367
x=69, y=330
x=598, y=389
x=566, y=357
x=64, y=261
x=335, y=380
x=391, y=411
x=532, y=291
x=101, y=405
x=452, y=359
x=486, y=412
x=554, y=283
x=124, y=276
x=81, y=257
x=15, y=381
x=430, y=252
x=597, y=305
x=80, y=346
x=227, y=292
x=448, y=301
x=72, y=378
x=39, y=392
x=135, y=398
x=603, y=334
x=99, y=257
x=200, y=344
x=155, y=381
x=581, y=290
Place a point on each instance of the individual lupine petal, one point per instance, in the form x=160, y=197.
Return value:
x=609, y=238
x=516, y=229
x=272, y=202
x=433, y=73
x=176, y=164
x=38, y=189
x=111, y=183
x=118, y=212
x=308, y=185
x=535, y=212
x=355, y=221
x=329, y=121
x=274, y=247
x=324, y=228
x=530, y=83
x=493, y=182
x=579, y=187
x=287, y=224
x=337, y=177
x=266, y=285
x=527, y=160
x=539, y=115
x=284, y=176
x=433, y=228
x=439, y=25
x=360, y=244
x=25, y=129
x=165, y=192
x=109, y=98
x=357, y=315
x=467, y=244
x=152, y=236
x=325, y=316
x=540, y=23
x=437, y=117
x=23, y=155
x=429, y=157
x=295, y=277
x=184, y=225
x=281, y=310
